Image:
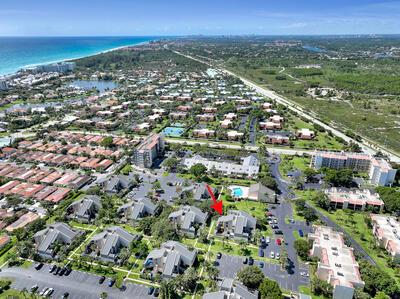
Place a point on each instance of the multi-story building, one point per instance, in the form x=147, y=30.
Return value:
x=337, y=264
x=236, y=224
x=59, y=67
x=386, y=230
x=151, y=148
x=380, y=171
x=3, y=84
x=357, y=200
x=170, y=260
x=249, y=167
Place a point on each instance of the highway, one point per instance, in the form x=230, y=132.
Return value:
x=364, y=144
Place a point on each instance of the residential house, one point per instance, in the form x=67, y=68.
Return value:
x=107, y=245
x=236, y=224
x=189, y=219
x=137, y=209
x=171, y=259
x=48, y=239
x=85, y=209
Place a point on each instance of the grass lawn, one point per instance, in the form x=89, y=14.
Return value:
x=290, y=163
x=306, y=290
x=14, y=294
x=355, y=226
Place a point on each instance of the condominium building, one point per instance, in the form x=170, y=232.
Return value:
x=357, y=200
x=249, y=167
x=380, y=171
x=151, y=148
x=3, y=84
x=337, y=264
x=386, y=230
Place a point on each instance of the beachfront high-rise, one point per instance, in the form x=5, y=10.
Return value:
x=379, y=170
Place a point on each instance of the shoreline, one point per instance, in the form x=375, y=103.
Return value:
x=74, y=58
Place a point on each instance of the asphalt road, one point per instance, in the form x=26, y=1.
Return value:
x=79, y=285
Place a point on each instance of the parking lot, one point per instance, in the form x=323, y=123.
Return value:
x=78, y=284
x=230, y=265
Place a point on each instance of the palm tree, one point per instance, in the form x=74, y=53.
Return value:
x=103, y=295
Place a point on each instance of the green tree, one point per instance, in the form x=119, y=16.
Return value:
x=198, y=170
x=269, y=289
x=251, y=276
x=302, y=248
x=107, y=141
x=167, y=289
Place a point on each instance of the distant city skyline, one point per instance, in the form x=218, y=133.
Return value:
x=178, y=17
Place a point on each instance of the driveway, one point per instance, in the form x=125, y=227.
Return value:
x=80, y=285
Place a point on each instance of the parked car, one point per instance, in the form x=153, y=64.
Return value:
x=101, y=280
x=55, y=272
x=150, y=290
x=261, y=264
x=156, y=292
x=122, y=288
x=219, y=255
x=62, y=271
x=43, y=291
x=278, y=241
x=260, y=252
x=251, y=261
x=274, y=226
x=48, y=292
x=301, y=234
x=111, y=282
x=39, y=266
x=52, y=268
x=34, y=288
x=67, y=271
x=267, y=240
x=278, y=232
x=272, y=255
x=65, y=295
x=277, y=256
x=245, y=260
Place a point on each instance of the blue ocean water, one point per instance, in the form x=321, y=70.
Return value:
x=18, y=52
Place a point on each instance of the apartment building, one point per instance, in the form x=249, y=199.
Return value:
x=249, y=167
x=386, y=230
x=171, y=259
x=356, y=200
x=380, y=171
x=189, y=219
x=337, y=264
x=151, y=148
x=236, y=224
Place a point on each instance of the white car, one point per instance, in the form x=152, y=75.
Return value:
x=267, y=240
x=277, y=256
x=272, y=255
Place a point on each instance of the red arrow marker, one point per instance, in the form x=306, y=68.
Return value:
x=217, y=205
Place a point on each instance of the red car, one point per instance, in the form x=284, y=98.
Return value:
x=278, y=242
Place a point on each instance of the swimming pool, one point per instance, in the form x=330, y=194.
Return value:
x=173, y=131
x=237, y=192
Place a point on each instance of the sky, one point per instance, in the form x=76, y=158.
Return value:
x=207, y=17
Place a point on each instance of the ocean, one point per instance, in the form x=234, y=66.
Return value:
x=20, y=52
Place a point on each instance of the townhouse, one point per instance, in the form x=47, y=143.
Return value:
x=236, y=224
x=171, y=259
x=189, y=219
